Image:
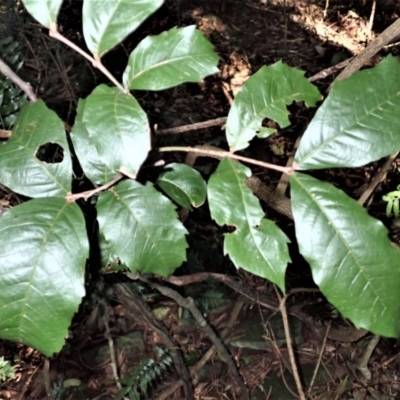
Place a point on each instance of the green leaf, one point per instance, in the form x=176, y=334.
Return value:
x=43, y=252
x=265, y=95
x=358, y=123
x=37, y=128
x=141, y=228
x=257, y=245
x=183, y=184
x=44, y=11
x=91, y=161
x=352, y=259
x=108, y=23
x=169, y=59
x=115, y=124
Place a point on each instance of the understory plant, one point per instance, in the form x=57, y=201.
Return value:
x=45, y=243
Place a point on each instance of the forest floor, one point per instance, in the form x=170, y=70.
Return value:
x=311, y=36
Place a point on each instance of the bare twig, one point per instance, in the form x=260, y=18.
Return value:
x=46, y=377
x=374, y=47
x=89, y=193
x=25, y=86
x=378, y=178
x=189, y=304
x=362, y=365
x=192, y=127
x=371, y=19
x=112, y=353
x=209, y=353
x=94, y=60
x=135, y=302
x=319, y=359
x=210, y=152
x=282, y=308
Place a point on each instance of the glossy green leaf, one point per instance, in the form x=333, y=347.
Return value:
x=257, y=245
x=358, y=123
x=44, y=11
x=114, y=123
x=108, y=23
x=91, y=161
x=43, y=253
x=20, y=167
x=141, y=229
x=169, y=59
x=183, y=184
x=265, y=95
x=352, y=259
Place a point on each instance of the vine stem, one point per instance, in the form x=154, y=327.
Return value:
x=94, y=60
x=205, y=151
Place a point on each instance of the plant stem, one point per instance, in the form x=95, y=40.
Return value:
x=205, y=151
x=95, y=61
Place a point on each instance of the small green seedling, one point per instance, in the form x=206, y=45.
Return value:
x=393, y=199
x=6, y=370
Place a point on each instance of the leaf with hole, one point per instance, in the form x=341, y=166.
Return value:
x=358, y=123
x=266, y=95
x=36, y=160
x=141, y=229
x=352, y=259
x=257, y=244
x=176, y=56
x=183, y=184
x=108, y=23
x=43, y=254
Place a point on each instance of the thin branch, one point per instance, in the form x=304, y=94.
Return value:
x=285, y=320
x=89, y=193
x=209, y=353
x=207, y=152
x=25, y=86
x=319, y=359
x=95, y=61
x=378, y=178
x=189, y=304
x=192, y=127
x=112, y=353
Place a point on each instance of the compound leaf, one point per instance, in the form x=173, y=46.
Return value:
x=43, y=252
x=141, y=229
x=108, y=23
x=352, y=259
x=183, y=184
x=358, y=123
x=257, y=245
x=36, y=136
x=169, y=59
x=265, y=95
x=114, y=123
x=44, y=11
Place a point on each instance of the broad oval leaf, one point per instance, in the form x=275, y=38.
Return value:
x=352, y=259
x=257, y=245
x=91, y=161
x=36, y=135
x=358, y=123
x=183, y=184
x=43, y=253
x=108, y=23
x=115, y=124
x=44, y=11
x=141, y=229
x=266, y=95
x=169, y=59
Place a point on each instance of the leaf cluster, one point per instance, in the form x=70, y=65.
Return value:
x=45, y=242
